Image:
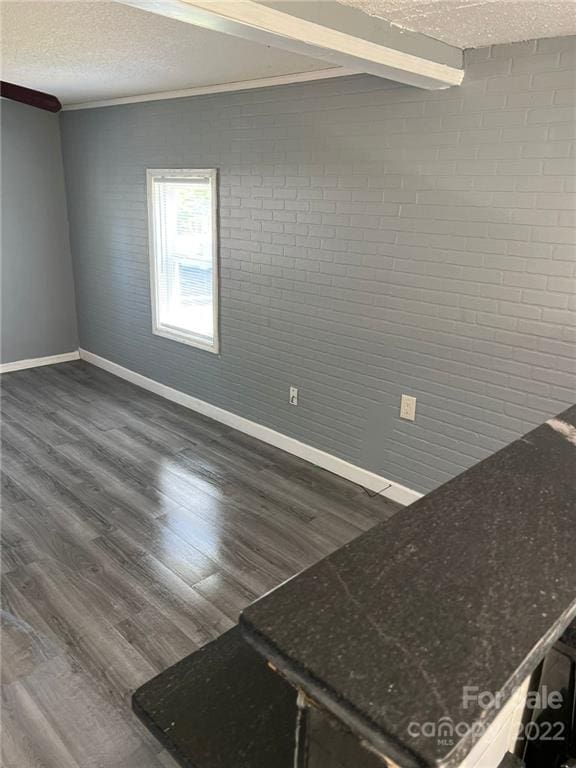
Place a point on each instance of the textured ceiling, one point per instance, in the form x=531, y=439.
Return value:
x=87, y=51
x=476, y=23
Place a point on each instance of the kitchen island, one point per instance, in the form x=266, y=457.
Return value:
x=437, y=617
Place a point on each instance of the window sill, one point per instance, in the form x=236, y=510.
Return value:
x=191, y=341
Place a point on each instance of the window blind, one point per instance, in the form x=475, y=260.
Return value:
x=183, y=253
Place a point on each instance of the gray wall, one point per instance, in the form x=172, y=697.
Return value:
x=38, y=315
x=375, y=240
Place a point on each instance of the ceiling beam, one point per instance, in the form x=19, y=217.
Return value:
x=269, y=26
x=29, y=96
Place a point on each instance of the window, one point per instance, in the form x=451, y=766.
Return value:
x=183, y=256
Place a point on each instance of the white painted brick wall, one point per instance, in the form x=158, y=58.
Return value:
x=375, y=240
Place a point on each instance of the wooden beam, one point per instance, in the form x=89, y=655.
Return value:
x=263, y=24
x=29, y=96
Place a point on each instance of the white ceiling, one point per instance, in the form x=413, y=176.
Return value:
x=476, y=23
x=88, y=51
x=92, y=50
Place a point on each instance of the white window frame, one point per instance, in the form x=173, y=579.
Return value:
x=158, y=329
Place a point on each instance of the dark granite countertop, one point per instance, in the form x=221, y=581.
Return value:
x=468, y=586
x=221, y=706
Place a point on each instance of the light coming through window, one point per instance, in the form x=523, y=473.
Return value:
x=183, y=256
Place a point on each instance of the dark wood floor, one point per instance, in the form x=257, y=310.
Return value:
x=134, y=531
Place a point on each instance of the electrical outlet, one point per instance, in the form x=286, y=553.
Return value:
x=408, y=407
x=293, y=396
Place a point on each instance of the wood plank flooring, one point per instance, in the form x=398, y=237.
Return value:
x=134, y=531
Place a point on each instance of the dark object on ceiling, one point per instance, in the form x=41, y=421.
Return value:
x=29, y=96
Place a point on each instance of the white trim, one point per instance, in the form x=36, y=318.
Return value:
x=363, y=477
x=177, y=334
x=36, y=362
x=207, y=90
x=254, y=21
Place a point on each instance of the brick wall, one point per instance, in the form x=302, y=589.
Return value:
x=374, y=240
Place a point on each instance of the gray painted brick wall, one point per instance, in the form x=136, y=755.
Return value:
x=375, y=240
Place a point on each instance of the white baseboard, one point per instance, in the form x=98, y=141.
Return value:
x=35, y=362
x=363, y=477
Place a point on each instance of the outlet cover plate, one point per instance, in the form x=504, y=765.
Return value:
x=408, y=407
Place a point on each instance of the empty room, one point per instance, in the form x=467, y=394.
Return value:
x=288, y=383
